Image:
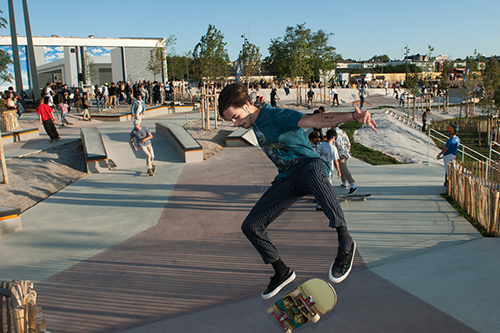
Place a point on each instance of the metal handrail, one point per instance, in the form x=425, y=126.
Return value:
x=492, y=143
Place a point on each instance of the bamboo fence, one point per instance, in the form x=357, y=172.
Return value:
x=18, y=307
x=475, y=187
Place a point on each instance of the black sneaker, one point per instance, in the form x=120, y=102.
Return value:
x=352, y=190
x=342, y=265
x=344, y=185
x=277, y=283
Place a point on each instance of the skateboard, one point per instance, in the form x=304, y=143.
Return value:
x=308, y=302
x=352, y=197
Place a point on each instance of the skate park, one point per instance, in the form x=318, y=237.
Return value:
x=121, y=252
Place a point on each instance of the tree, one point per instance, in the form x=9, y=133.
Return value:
x=472, y=81
x=383, y=58
x=444, y=80
x=249, y=58
x=323, y=57
x=5, y=59
x=91, y=73
x=157, y=56
x=210, y=57
x=301, y=54
x=179, y=67
x=491, y=86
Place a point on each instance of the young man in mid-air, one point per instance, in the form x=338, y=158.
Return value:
x=301, y=172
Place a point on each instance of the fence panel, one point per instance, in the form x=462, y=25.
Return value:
x=474, y=187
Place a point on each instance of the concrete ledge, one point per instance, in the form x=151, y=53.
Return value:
x=150, y=112
x=96, y=156
x=183, y=143
x=9, y=219
x=242, y=137
x=20, y=135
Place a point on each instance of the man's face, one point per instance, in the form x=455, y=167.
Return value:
x=137, y=127
x=239, y=116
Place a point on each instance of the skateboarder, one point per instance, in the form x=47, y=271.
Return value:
x=46, y=117
x=143, y=136
x=301, y=172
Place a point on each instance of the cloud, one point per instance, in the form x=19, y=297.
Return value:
x=59, y=48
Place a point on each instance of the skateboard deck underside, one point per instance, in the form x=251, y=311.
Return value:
x=315, y=296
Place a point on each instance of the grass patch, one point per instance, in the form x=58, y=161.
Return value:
x=465, y=215
x=363, y=153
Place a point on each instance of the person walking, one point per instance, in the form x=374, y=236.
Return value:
x=328, y=152
x=46, y=117
x=85, y=107
x=105, y=96
x=424, y=119
x=310, y=98
x=449, y=152
x=300, y=172
x=143, y=136
x=361, y=94
x=274, y=97
x=63, y=108
x=344, y=147
x=138, y=107
x=335, y=96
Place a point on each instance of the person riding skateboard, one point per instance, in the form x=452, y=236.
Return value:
x=301, y=172
x=143, y=136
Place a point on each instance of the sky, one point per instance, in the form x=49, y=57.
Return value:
x=361, y=29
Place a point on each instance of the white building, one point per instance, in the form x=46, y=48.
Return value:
x=126, y=59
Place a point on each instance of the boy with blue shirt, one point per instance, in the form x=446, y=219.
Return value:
x=300, y=172
x=449, y=152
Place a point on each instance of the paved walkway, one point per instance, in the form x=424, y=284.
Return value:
x=123, y=252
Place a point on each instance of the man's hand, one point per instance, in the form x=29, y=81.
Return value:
x=364, y=117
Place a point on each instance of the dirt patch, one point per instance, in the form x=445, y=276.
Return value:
x=34, y=177
x=213, y=140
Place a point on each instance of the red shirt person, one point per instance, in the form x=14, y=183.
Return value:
x=45, y=114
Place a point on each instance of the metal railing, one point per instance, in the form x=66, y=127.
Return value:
x=461, y=148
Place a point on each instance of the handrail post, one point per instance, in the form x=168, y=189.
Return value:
x=429, y=146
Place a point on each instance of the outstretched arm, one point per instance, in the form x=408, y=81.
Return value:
x=333, y=119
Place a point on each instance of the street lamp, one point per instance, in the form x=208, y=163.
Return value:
x=407, y=51
x=245, y=41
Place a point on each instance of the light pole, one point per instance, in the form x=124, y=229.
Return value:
x=407, y=51
x=245, y=54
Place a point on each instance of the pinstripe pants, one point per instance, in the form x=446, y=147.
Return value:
x=309, y=178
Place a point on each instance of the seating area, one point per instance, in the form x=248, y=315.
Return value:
x=188, y=149
x=96, y=156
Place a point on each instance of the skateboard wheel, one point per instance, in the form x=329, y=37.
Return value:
x=315, y=318
x=270, y=310
x=288, y=330
x=296, y=293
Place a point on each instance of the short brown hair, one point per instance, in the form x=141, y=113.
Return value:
x=235, y=95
